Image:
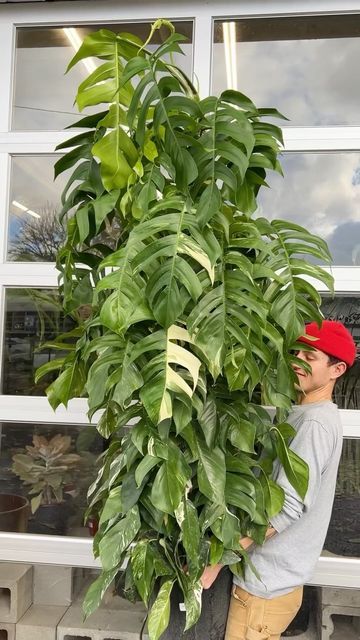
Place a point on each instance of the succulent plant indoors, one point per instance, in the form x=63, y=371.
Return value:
x=193, y=308
x=47, y=467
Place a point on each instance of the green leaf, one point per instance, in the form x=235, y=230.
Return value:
x=237, y=493
x=211, y=473
x=187, y=518
x=208, y=421
x=242, y=436
x=144, y=467
x=48, y=367
x=112, y=506
x=193, y=601
x=161, y=378
x=296, y=469
x=117, y=155
x=277, y=496
x=117, y=540
x=170, y=482
x=108, y=422
x=142, y=564
x=36, y=502
x=159, y=615
x=96, y=591
x=68, y=385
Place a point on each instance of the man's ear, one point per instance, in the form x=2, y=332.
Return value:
x=338, y=369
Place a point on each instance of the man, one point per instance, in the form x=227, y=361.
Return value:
x=263, y=609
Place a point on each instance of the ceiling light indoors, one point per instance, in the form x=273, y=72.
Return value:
x=229, y=34
x=23, y=208
x=76, y=42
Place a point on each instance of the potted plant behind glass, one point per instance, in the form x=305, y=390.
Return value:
x=48, y=468
x=343, y=537
x=194, y=315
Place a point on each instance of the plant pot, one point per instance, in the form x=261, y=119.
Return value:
x=51, y=519
x=212, y=622
x=14, y=513
x=343, y=537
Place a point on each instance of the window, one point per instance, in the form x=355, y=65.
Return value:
x=35, y=232
x=346, y=309
x=43, y=95
x=343, y=534
x=63, y=460
x=33, y=317
x=306, y=66
x=320, y=191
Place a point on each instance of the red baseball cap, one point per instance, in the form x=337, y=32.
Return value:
x=333, y=339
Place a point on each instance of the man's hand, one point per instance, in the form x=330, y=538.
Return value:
x=210, y=574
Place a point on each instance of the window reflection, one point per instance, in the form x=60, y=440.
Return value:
x=343, y=536
x=305, y=66
x=44, y=96
x=320, y=191
x=32, y=317
x=29, y=470
x=346, y=309
x=35, y=232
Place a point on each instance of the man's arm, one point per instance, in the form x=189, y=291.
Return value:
x=211, y=573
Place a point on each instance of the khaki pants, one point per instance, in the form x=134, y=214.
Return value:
x=254, y=618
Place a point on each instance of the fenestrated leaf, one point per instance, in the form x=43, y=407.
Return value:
x=160, y=378
x=175, y=278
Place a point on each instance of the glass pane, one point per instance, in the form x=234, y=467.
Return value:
x=44, y=96
x=320, y=191
x=347, y=310
x=343, y=536
x=27, y=459
x=303, y=66
x=35, y=233
x=32, y=317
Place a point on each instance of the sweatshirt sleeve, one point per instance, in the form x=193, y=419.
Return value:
x=315, y=445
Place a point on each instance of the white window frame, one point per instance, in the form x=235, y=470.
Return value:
x=333, y=571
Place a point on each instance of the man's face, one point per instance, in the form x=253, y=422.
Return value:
x=323, y=374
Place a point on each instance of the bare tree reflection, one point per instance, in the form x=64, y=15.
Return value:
x=37, y=239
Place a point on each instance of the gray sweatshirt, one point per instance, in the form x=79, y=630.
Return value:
x=288, y=560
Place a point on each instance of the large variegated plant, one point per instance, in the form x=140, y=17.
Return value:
x=193, y=306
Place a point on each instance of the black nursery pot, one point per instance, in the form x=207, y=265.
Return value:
x=51, y=519
x=212, y=622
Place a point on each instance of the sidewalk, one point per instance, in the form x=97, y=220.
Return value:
x=343, y=630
